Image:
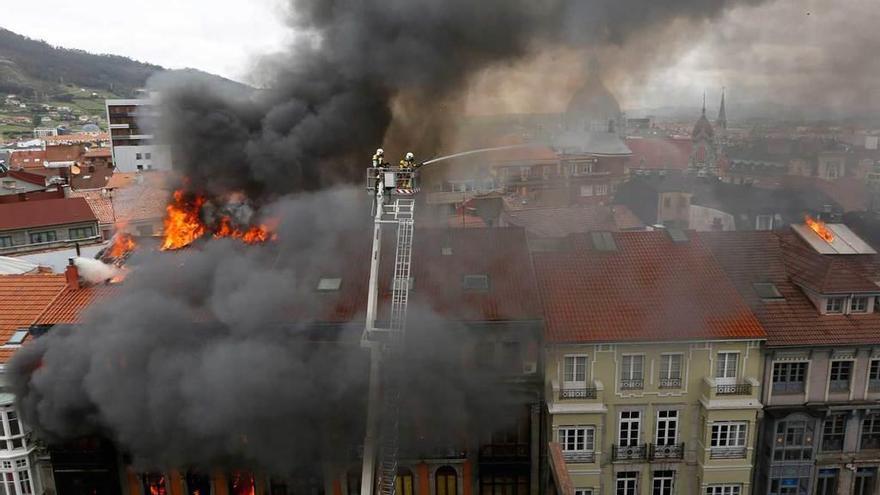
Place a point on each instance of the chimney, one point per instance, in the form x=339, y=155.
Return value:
x=71, y=274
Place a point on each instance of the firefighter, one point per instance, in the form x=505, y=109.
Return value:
x=407, y=165
x=379, y=158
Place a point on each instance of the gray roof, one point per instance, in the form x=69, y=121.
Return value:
x=14, y=266
x=597, y=143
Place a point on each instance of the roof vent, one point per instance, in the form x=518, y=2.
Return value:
x=476, y=283
x=677, y=235
x=603, y=241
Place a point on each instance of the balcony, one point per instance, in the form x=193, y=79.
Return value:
x=577, y=393
x=670, y=383
x=632, y=384
x=579, y=456
x=629, y=453
x=734, y=389
x=669, y=452
x=741, y=390
x=727, y=453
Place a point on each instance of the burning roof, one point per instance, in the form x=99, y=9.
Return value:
x=834, y=238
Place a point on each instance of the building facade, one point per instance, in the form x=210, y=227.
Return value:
x=40, y=225
x=652, y=366
x=135, y=148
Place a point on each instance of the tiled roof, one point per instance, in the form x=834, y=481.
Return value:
x=659, y=153
x=47, y=212
x=22, y=299
x=827, y=274
x=648, y=289
x=756, y=257
x=98, y=153
x=26, y=176
x=77, y=138
x=560, y=222
x=68, y=307
x=26, y=159
x=140, y=202
x=100, y=204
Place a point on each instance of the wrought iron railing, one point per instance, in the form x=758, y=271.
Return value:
x=579, y=456
x=667, y=452
x=632, y=384
x=629, y=453
x=577, y=393
x=734, y=389
x=670, y=383
x=839, y=386
x=727, y=453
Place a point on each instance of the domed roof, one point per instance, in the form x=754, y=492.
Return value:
x=703, y=128
x=592, y=106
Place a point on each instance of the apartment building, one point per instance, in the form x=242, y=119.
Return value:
x=45, y=224
x=135, y=148
x=652, y=366
x=817, y=300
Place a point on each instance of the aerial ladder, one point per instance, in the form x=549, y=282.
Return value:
x=393, y=188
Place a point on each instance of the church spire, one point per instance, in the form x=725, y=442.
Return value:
x=704, y=103
x=722, y=114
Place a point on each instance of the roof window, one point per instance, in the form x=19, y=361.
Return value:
x=446, y=251
x=329, y=284
x=767, y=290
x=476, y=283
x=17, y=337
x=677, y=235
x=603, y=241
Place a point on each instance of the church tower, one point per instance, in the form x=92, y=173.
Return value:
x=703, y=160
x=721, y=123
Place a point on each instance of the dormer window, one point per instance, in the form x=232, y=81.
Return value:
x=858, y=304
x=834, y=305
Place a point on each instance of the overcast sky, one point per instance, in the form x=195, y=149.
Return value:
x=797, y=52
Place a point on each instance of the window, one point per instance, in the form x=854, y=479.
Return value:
x=631, y=367
x=764, y=222
x=767, y=290
x=16, y=474
x=154, y=484
x=446, y=481
x=723, y=490
x=865, y=479
x=81, y=233
x=725, y=367
x=839, y=378
x=501, y=483
x=5, y=241
x=794, y=440
x=670, y=371
x=874, y=376
x=446, y=251
x=583, y=491
x=728, y=439
x=241, y=483
x=12, y=435
x=574, y=373
x=17, y=337
x=587, y=190
x=404, y=482
x=834, y=305
x=871, y=432
x=329, y=284
x=789, y=378
x=833, y=432
x=629, y=428
x=627, y=483
x=667, y=427
x=663, y=482
x=577, y=438
x=826, y=482
x=790, y=485
x=197, y=484
x=138, y=156
x=858, y=304
x=140, y=167
x=601, y=189
x=476, y=283
x=39, y=237
x=148, y=156
x=667, y=202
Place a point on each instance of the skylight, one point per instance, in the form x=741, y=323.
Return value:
x=677, y=235
x=767, y=290
x=446, y=251
x=476, y=283
x=329, y=284
x=17, y=337
x=603, y=241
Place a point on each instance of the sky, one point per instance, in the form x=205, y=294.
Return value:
x=815, y=53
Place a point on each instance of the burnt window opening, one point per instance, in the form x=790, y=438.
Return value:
x=154, y=484
x=475, y=283
x=198, y=484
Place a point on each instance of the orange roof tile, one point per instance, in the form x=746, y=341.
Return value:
x=70, y=304
x=28, y=214
x=100, y=204
x=648, y=289
x=23, y=298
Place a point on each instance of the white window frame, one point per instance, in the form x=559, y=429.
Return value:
x=724, y=490
x=724, y=369
x=630, y=483
x=633, y=430
x=574, y=384
x=667, y=419
x=628, y=372
x=768, y=224
x=852, y=366
x=583, y=491
x=732, y=438
x=600, y=190
x=9, y=441
x=587, y=438
x=666, y=368
x=830, y=305
x=852, y=304
x=16, y=472
x=586, y=190
x=667, y=483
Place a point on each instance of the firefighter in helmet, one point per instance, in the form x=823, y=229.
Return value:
x=379, y=158
x=408, y=164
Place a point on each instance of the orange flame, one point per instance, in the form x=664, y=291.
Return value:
x=818, y=226
x=122, y=244
x=184, y=224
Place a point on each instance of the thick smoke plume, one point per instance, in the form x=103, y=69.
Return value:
x=205, y=357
